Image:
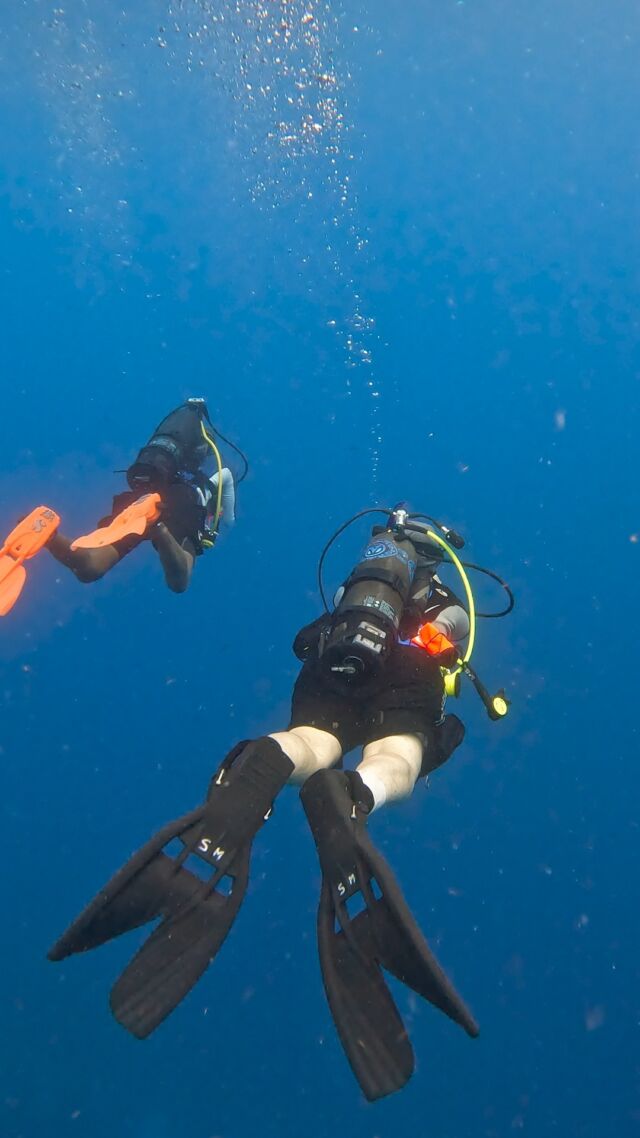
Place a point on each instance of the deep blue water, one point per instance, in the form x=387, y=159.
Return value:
x=172, y=225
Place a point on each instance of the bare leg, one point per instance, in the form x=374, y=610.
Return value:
x=309, y=749
x=87, y=564
x=391, y=766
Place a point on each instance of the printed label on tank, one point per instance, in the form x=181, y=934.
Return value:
x=381, y=549
x=381, y=606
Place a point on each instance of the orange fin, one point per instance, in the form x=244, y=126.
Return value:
x=12, y=578
x=23, y=542
x=133, y=520
x=31, y=534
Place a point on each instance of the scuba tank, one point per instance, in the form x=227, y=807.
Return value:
x=176, y=445
x=364, y=626
x=366, y=622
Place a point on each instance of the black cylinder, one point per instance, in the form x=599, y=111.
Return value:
x=365, y=624
x=177, y=445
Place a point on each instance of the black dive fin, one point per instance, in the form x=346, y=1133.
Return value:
x=354, y=948
x=177, y=953
x=367, y=1020
x=197, y=908
x=145, y=888
x=400, y=945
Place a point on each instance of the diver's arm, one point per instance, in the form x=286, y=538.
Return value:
x=176, y=561
x=454, y=622
x=228, y=503
x=445, y=610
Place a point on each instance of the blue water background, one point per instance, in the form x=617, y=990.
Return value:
x=495, y=178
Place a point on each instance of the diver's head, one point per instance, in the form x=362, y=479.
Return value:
x=177, y=444
x=156, y=466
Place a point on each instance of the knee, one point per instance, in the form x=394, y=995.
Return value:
x=90, y=565
x=324, y=747
x=410, y=766
x=309, y=749
x=178, y=586
x=395, y=768
x=410, y=772
x=401, y=770
x=86, y=573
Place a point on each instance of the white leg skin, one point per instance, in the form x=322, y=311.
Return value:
x=309, y=749
x=391, y=766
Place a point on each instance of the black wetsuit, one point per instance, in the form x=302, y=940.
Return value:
x=407, y=697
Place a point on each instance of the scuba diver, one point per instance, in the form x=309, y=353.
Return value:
x=170, y=502
x=375, y=674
